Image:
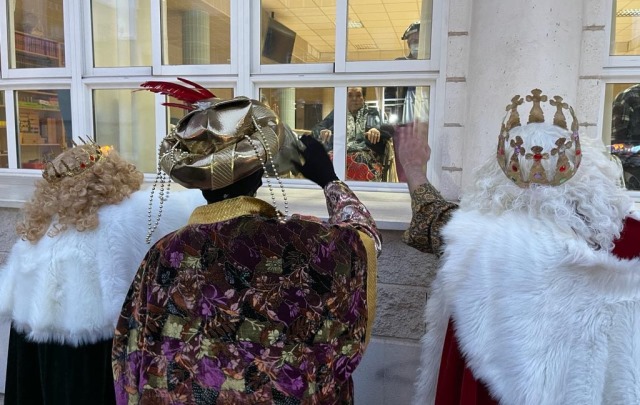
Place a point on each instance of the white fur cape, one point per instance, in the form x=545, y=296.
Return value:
x=70, y=288
x=542, y=319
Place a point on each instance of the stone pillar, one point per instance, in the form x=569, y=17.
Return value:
x=516, y=46
x=195, y=38
x=288, y=106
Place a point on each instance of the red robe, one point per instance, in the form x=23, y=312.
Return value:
x=456, y=384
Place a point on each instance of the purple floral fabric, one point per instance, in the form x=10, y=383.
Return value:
x=251, y=310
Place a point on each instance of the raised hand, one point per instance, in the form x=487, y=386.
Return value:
x=413, y=151
x=317, y=165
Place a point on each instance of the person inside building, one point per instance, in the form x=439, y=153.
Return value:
x=244, y=303
x=537, y=300
x=625, y=134
x=400, y=100
x=411, y=37
x=367, y=138
x=63, y=284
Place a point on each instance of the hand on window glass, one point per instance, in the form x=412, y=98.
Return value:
x=413, y=151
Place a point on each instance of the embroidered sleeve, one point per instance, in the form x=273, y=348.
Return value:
x=430, y=212
x=345, y=207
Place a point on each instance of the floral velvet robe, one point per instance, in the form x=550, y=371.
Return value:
x=240, y=307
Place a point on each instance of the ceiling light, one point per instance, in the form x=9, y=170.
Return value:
x=629, y=12
x=355, y=24
x=366, y=46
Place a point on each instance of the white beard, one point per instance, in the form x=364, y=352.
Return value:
x=541, y=318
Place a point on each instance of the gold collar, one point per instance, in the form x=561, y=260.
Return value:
x=232, y=208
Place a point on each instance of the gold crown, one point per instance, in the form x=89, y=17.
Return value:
x=565, y=168
x=92, y=154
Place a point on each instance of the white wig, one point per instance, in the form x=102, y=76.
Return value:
x=592, y=203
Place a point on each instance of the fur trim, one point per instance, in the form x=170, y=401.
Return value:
x=70, y=288
x=541, y=319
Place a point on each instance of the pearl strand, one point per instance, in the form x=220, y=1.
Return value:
x=273, y=166
x=266, y=176
x=161, y=178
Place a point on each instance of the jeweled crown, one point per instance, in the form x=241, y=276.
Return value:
x=89, y=154
x=566, y=165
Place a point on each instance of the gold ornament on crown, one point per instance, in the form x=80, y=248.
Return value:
x=93, y=154
x=565, y=167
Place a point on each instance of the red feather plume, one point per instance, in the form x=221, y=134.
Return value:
x=179, y=91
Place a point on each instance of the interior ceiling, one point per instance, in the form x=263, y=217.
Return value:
x=383, y=21
x=627, y=29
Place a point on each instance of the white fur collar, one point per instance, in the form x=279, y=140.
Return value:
x=70, y=288
x=542, y=319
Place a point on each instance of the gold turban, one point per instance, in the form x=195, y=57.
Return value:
x=223, y=141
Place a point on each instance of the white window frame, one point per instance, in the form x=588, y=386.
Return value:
x=244, y=74
x=616, y=69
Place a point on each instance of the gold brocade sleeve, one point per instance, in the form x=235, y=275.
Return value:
x=345, y=208
x=430, y=212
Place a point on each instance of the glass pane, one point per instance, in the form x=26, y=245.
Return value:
x=38, y=33
x=297, y=31
x=124, y=120
x=44, y=125
x=121, y=33
x=4, y=149
x=370, y=128
x=389, y=29
x=196, y=32
x=302, y=109
x=624, y=133
x=371, y=119
x=625, y=28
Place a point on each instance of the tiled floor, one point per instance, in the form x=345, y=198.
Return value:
x=387, y=373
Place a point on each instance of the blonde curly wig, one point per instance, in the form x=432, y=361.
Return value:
x=74, y=201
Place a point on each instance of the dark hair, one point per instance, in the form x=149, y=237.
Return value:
x=364, y=89
x=247, y=186
x=412, y=28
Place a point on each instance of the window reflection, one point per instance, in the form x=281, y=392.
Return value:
x=625, y=31
x=389, y=29
x=370, y=125
x=297, y=32
x=38, y=33
x=44, y=125
x=624, y=135
x=122, y=121
x=301, y=109
x=121, y=33
x=4, y=149
x=304, y=32
x=368, y=138
x=196, y=32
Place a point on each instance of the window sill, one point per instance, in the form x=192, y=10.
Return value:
x=390, y=209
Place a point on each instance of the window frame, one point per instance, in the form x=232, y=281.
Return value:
x=616, y=69
x=244, y=74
